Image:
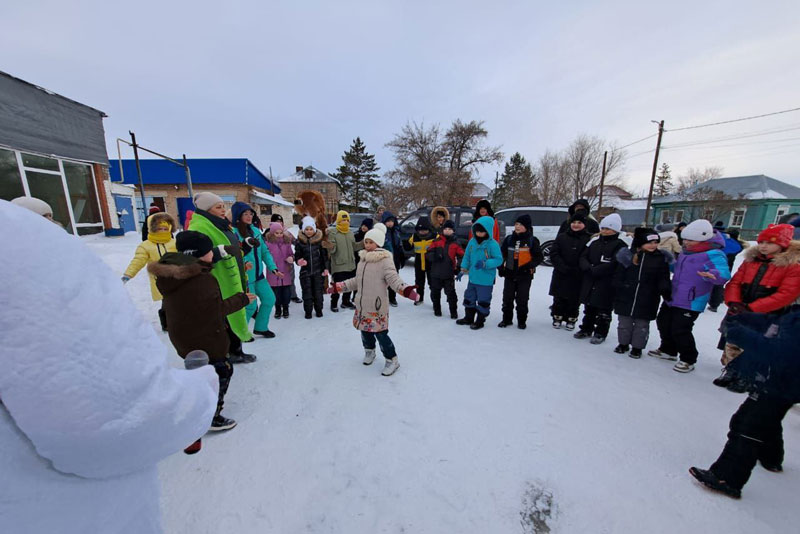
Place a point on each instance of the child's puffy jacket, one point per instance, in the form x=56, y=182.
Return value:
x=443, y=255
x=486, y=254
x=280, y=249
x=766, y=284
x=690, y=291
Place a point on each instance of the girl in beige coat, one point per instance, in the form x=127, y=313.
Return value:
x=375, y=274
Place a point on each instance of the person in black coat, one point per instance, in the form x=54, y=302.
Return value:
x=580, y=206
x=565, y=284
x=598, y=263
x=312, y=258
x=640, y=281
x=521, y=255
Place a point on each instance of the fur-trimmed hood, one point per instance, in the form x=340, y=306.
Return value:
x=439, y=209
x=154, y=219
x=667, y=235
x=316, y=238
x=625, y=256
x=790, y=256
x=269, y=237
x=374, y=256
x=178, y=266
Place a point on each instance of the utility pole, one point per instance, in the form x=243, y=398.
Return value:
x=138, y=172
x=653, y=176
x=602, y=183
x=188, y=178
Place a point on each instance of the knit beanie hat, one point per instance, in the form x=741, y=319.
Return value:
x=276, y=217
x=449, y=224
x=153, y=209
x=780, y=234
x=579, y=216
x=193, y=243
x=275, y=227
x=204, y=201
x=368, y=222
x=377, y=234
x=308, y=221
x=525, y=220
x=34, y=204
x=642, y=236
x=612, y=222
x=699, y=230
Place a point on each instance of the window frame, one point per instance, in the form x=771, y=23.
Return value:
x=732, y=219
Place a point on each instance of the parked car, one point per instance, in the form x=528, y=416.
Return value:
x=357, y=218
x=545, y=219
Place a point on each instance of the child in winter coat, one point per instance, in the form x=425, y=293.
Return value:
x=420, y=241
x=257, y=255
x=439, y=215
x=768, y=281
x=443, y=257
x=374, y=275
x=195, y=308
x=700, y=266
x=521, y=255
x=394, y=245
x=598, y=263
x=342, y=251
x=669, y=239
x=565, y=284
x=159, y=241
x=312, y=259
x=279, y=243
x=481, y=260
x=484, y=209
x=641, y=279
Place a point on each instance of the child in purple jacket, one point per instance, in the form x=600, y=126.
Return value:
x=279, y=243
x=700, y=266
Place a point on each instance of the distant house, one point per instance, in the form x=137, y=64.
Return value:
x=749, y=203
x=233, y=179
x=617, y=200
x=54, y=149
x=479, y=192
x=312, y=179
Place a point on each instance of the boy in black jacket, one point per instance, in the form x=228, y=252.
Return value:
x=521, y=255
x=444, y=256
x=312, y=259
x=598, y=263
x=565, y=284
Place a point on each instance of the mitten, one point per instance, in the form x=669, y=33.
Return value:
x=335, y=288
x=459, y=276
x=480, y=264
x=501, y=272
x=125, y=278
x=301, y=262
x=410, y=293
x=735, y=308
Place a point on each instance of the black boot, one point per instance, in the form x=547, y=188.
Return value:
x=286, y=311
x=710, y=480
x=479, y=322
x=727, y=377
x=469, y=316
x=454, y=311
x=505, y=322
x=278, y=313
x=437, y=307
x=522, y=322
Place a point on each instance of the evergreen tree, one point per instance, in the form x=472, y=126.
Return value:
x=358, y=175
x=663, y=185
x=515, y=185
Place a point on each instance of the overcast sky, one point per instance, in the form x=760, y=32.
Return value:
x=293, y=83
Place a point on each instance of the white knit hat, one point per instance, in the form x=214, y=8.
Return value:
x=377, y=234
x=204, y=200
x=612, y=222
x=699, y=230
x=308, y=221
x=34, y=204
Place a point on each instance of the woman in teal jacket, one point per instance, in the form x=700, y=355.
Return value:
x=255, y=251
x=481, y=260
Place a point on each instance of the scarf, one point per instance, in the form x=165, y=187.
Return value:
x=160, y=237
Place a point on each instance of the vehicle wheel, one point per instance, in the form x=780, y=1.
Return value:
x=546, y=253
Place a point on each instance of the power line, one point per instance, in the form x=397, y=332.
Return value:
x=731, y=138
x=749, y=143
x=733, y=120
x=635, y=142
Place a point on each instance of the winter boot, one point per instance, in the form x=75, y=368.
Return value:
x=266, y=333
x=278, y=312
x=242, y=357
x=220, y=423
x=308, y=315
x=621, y=349
x=658, y=353
x=738, y=386
x=454, y=310
x=557, y=321
x=469, y=317
x=437, y=307
x=581, y=334
x=286, y=311
x=369, y=356
x=683, y=367
x=773, y=468
x=571, y=321
x=710, y=480
x=635, y=353
x=727, y=377
x=504, y=323
x=597, y=339
x=390, y=367
x=319, y=313
x=334, y=307
x=479, y=322
x=522, y=322
x=194, y=448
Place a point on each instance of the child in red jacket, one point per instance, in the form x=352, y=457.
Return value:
x=444, y=255
x=767, y=282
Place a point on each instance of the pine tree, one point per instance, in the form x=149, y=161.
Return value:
x=358, y=175
x=663, y=185
x=515, y=185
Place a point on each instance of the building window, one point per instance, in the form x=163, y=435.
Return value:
x=49, y=187
x=708, y=214
x=141, y=212
x=10, y=179
x=737, y=217
x=678, y=216
x=665, y=217
x=82, y=193
x=782, y=210
x=39, y=162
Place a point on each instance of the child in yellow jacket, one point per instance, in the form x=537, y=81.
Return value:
x=159, y=241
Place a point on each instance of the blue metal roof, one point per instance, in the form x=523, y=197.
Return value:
x=204, y=171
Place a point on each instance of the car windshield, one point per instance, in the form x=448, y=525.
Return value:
x=357, y=218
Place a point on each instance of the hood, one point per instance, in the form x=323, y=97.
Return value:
x=388, y=215
x=174, y=269
x=374, y=256
x=486, y=222
x=483, y=204
x=718, y=241
x=667, y=235
x=316, y=238
x=580, y=202
x=437, y=210
x=423, y=223
x=270, y=237
x=790, y=256
x=238, y=208
x=154, y=219
x=368, y=222
x=625, y=256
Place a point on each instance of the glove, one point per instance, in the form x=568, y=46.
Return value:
x=480, y=264
x=335, y=288
x=125, y=279
x=501, y=272
x=301, y=262
x=410, y=293
x=735, y=308
x=459, y=276
x=252, y=242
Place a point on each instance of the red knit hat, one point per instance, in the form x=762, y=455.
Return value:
x=780, y=234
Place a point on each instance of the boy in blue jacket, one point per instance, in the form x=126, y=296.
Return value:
x=481, y=260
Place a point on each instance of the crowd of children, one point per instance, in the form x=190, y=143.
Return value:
x=667, y=274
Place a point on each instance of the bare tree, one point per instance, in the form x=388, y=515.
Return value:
x=696, y=176
x=550, y=187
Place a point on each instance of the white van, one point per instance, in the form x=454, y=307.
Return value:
x=546, y=221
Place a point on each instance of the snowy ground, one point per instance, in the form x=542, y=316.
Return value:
x=476, y=433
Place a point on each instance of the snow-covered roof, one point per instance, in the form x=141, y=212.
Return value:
x=754, y=187
x=625, y=204
x=272, y=199
x=480, y=190
x=316, y=175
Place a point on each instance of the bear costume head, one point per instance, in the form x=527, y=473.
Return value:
x=312, y=203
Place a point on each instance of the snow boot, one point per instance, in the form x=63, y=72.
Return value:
x=266, y=333
x=469, y=317
x=710, y=480
x=194, y=448
x=772, y=468
x=596, y=340
x=220, y=423
x=621, y=349
x=479, y=322
x=297, y=300
x=683, y=367
x=369, y=356
x=278, y=312
x=242, y=357
x=504, y=323
x=658, y=353
x=738, y=386
x=454, y=311
x=557, y=321
x=571, y=321
x=635, y=353
x=522, y=324
x=437, y=307
x=308, y=315
x=727, y=377
x=319, y=313
x=581, y=334
x=334, y=308
x=286, y=311
x=390, y=367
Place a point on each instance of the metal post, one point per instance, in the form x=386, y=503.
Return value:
x=139, y=173
x=602, y=183
x=188, y=178
x=271, y=183
x=653, y=176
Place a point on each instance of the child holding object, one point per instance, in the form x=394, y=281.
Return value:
x=374, y=275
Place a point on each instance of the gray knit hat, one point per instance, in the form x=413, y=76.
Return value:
x=204, y=200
